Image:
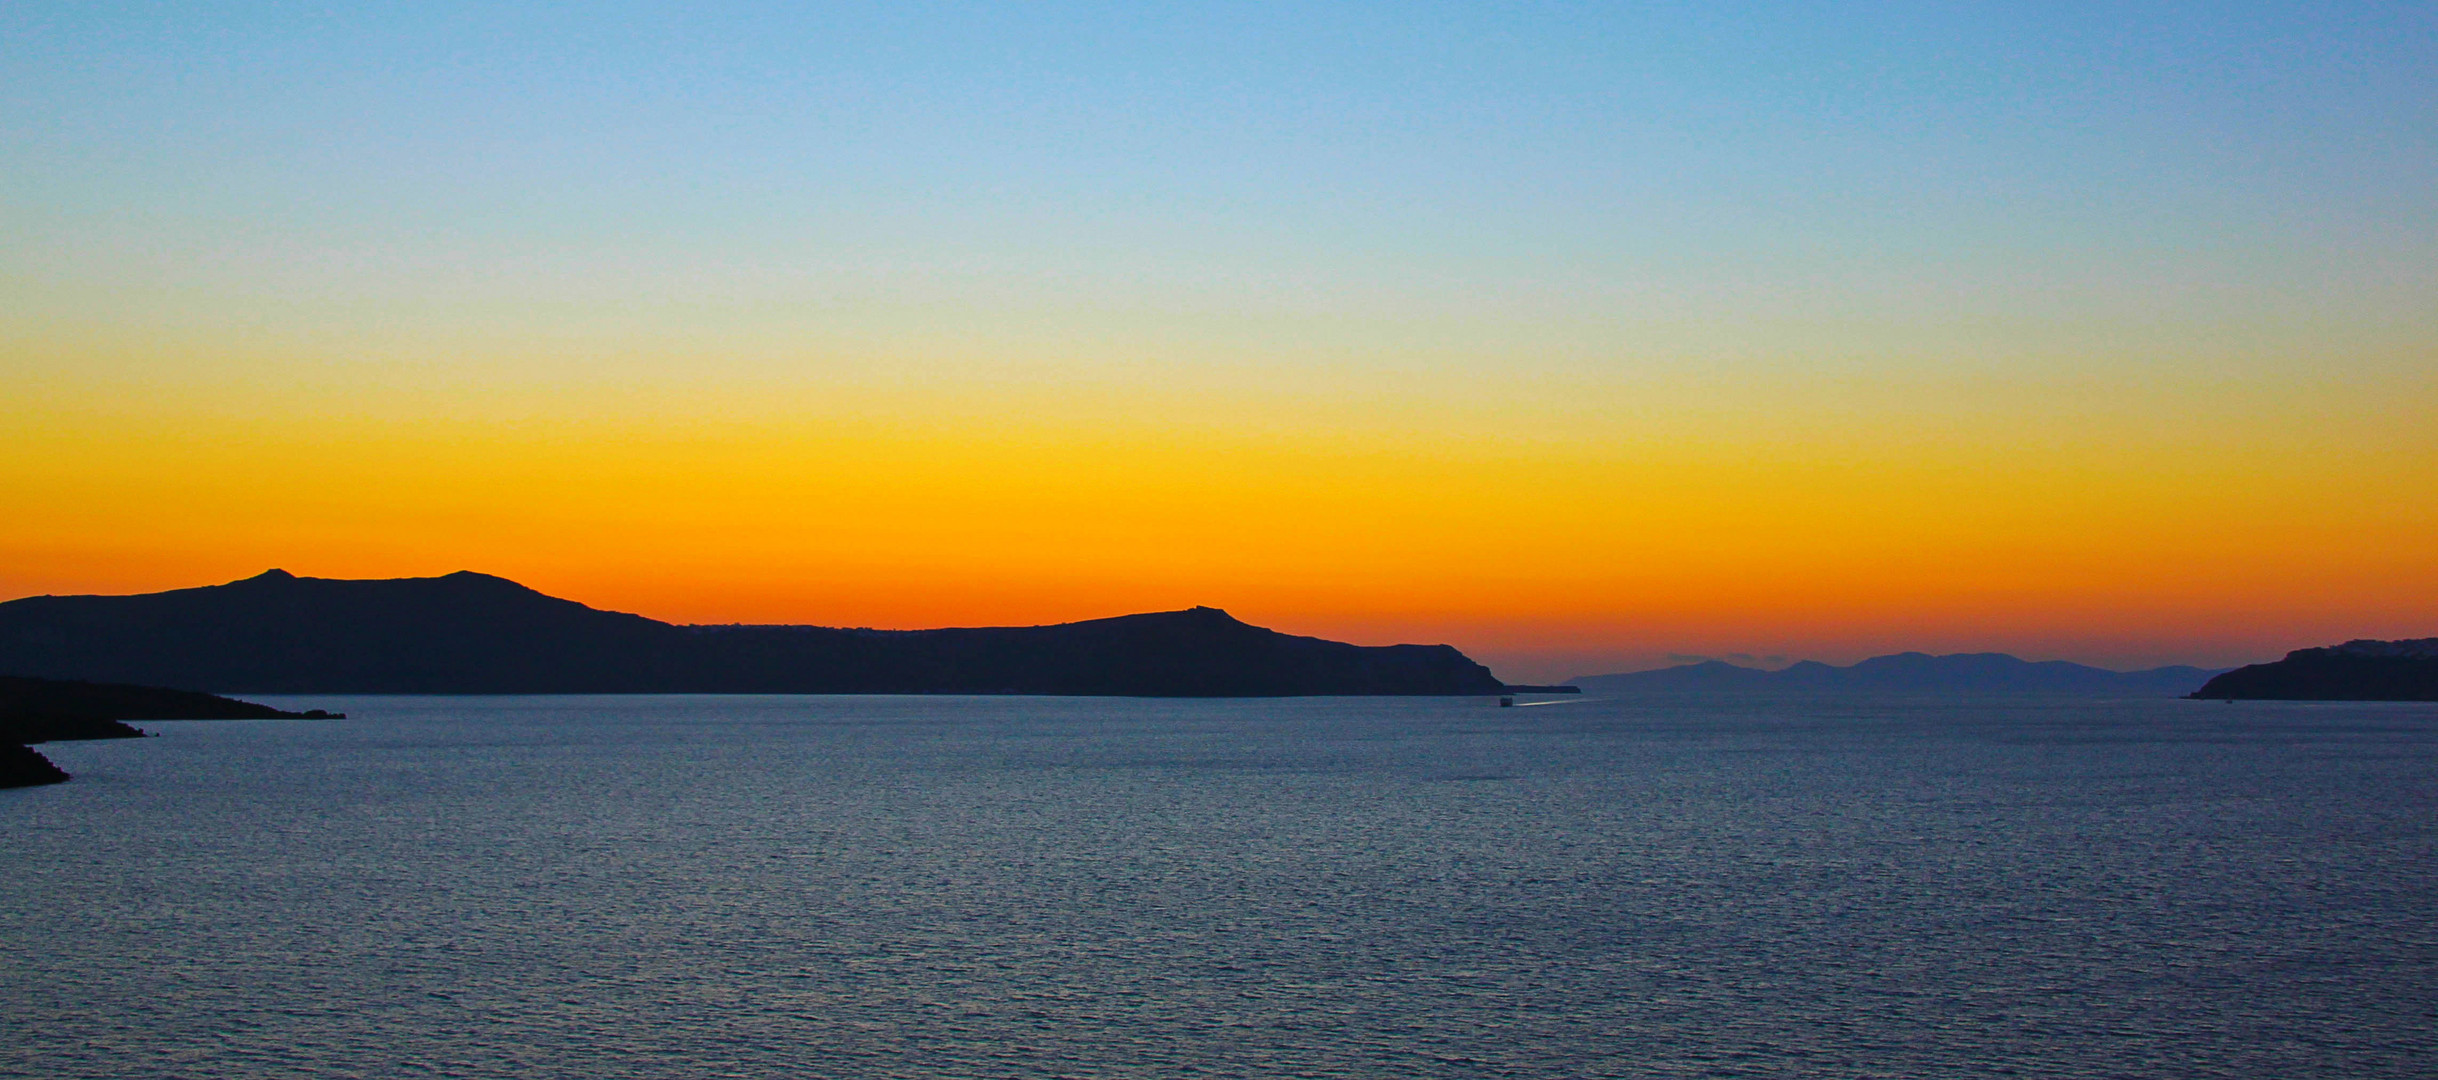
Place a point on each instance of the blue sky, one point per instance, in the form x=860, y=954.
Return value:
x=1995, y=308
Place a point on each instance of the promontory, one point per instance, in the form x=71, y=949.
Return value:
x=2361, y=670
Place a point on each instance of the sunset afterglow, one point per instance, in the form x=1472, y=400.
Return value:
x=1574, y=338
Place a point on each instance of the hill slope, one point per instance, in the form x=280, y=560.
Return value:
x=2360, y=670
x=473, y=633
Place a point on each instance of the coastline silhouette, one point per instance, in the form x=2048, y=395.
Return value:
x=469, y=633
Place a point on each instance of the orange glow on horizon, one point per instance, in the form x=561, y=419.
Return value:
x=1575, y=337
x=1549, y=556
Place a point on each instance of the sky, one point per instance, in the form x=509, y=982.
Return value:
x=1579, y=336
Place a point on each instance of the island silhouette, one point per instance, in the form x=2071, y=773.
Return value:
x=2359, y=670
x=470, y=633
x=1908, y=672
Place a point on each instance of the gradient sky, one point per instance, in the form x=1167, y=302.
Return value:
x=1574, y=335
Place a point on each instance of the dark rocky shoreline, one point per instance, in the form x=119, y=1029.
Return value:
x=21, y=766
x=57, y=710
x=2361, y=670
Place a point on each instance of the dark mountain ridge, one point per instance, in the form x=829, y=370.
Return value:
x=474, y=633
x=2359, y=670
x=1909, y=672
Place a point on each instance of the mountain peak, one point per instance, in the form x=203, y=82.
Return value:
x=474, y=577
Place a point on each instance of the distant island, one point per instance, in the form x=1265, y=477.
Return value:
x=469, y=633
x=50, y=710
x=2361, y=670
x=1910, y=672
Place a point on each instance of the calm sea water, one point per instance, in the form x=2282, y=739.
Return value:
x=1026, y=887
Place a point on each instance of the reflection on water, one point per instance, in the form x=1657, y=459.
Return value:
x=700, y=886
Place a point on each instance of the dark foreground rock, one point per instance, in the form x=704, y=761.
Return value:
x=38, y=729
x=471, y=633
x=21, y=766
x=51, y=710
x=48, y=710
x=2354, y=671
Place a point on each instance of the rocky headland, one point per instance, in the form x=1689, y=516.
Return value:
x=22, y=766
x=34, y=710
x=2361, y=670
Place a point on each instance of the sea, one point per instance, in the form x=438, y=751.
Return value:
x=745, y=886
